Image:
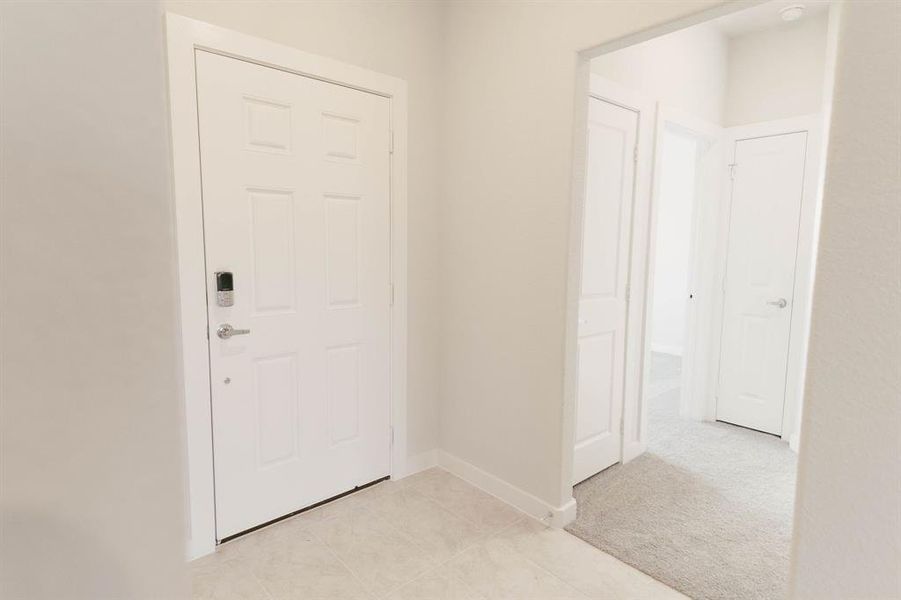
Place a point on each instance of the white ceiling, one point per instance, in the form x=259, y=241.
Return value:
x=765, y=16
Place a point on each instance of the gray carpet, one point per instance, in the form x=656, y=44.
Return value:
x=706, y=510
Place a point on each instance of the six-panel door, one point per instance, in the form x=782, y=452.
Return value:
x=295, y=176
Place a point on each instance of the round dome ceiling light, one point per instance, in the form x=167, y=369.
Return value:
x=792, y=13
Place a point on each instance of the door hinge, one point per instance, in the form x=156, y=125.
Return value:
x=391, y=436
x=732, y=170
x=390, y=294
x=628, y=292
x=635, y=154
x=391, y=142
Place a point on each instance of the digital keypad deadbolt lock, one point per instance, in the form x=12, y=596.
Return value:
x=225, y=288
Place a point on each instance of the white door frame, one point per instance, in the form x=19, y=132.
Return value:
x=184, y=37
x=705, y=224
x=805, y=263
x=577, y=202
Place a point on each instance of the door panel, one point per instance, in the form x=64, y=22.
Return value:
x=295, y=197
x=612, y=138
x=760, y=273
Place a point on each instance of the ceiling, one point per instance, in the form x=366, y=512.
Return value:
x=765, y=16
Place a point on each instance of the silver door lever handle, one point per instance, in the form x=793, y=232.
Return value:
x=225, y=331
x=781, y=302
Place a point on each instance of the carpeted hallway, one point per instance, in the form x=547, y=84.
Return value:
x=706, y=510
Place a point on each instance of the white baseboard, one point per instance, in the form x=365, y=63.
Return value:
x=632, y=450
x=555, y=516
x=793, y=441
x=196, y=548
x=419, y=462
x=665, y=349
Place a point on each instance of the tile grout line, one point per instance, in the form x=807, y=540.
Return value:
x=354, y=574
x=478, y=489
x=544, y=568
x=463, y=549
x=331, y=551
x=549, y=572
x=453, y=556
x=261, y=584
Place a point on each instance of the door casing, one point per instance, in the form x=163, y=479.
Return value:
x=704, y=244
x=184, y=36
x=805, y=265
x=633, y=423
x=705, y=326
x=602, y=310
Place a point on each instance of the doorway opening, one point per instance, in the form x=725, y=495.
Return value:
x=702, y=181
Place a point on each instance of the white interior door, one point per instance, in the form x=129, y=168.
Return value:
x=295, y=196
x=767, y=188
x=612, y=139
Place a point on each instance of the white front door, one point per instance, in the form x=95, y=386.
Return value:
x=610, y=174
x=295, y=199
x=768, y=178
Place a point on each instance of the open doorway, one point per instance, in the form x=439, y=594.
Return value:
x=702, y=183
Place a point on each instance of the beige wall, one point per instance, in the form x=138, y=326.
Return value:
x=404, y=39
x=91, y=455
x=686, y=69
x=510, y=84
x=848, y=517
x=777, y=73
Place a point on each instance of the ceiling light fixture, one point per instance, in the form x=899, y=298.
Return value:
x=792, y=13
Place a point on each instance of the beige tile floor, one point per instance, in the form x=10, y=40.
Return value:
x=428, y=537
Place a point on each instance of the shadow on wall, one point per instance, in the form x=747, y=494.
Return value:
x=70, y=558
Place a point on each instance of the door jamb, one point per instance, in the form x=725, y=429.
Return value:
x=704, y=243
x=184, y=36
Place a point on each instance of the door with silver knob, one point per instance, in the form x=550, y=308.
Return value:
x=295, y=207
x=226, y=331
x=765, y=210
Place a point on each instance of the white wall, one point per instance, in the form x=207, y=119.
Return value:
x=510, y=85
x=776, y=73
x=91, y=453
x=847, y=540
x=675, y=209
x=404, y=40
x=685, y=69
x=503, y=257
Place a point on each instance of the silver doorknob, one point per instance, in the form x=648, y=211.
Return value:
x=225, y=331
x=780, y=303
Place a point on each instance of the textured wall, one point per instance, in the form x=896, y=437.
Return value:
x=848, y=515
x=403, y=39
x=510, y=96
x=685, y=69
x=776, y=73
x=91, y=455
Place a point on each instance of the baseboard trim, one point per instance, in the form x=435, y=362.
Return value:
x=418, y=462
x=555, y=516
x=794, y=440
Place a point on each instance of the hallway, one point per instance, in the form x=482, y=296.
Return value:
x=707, y=509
